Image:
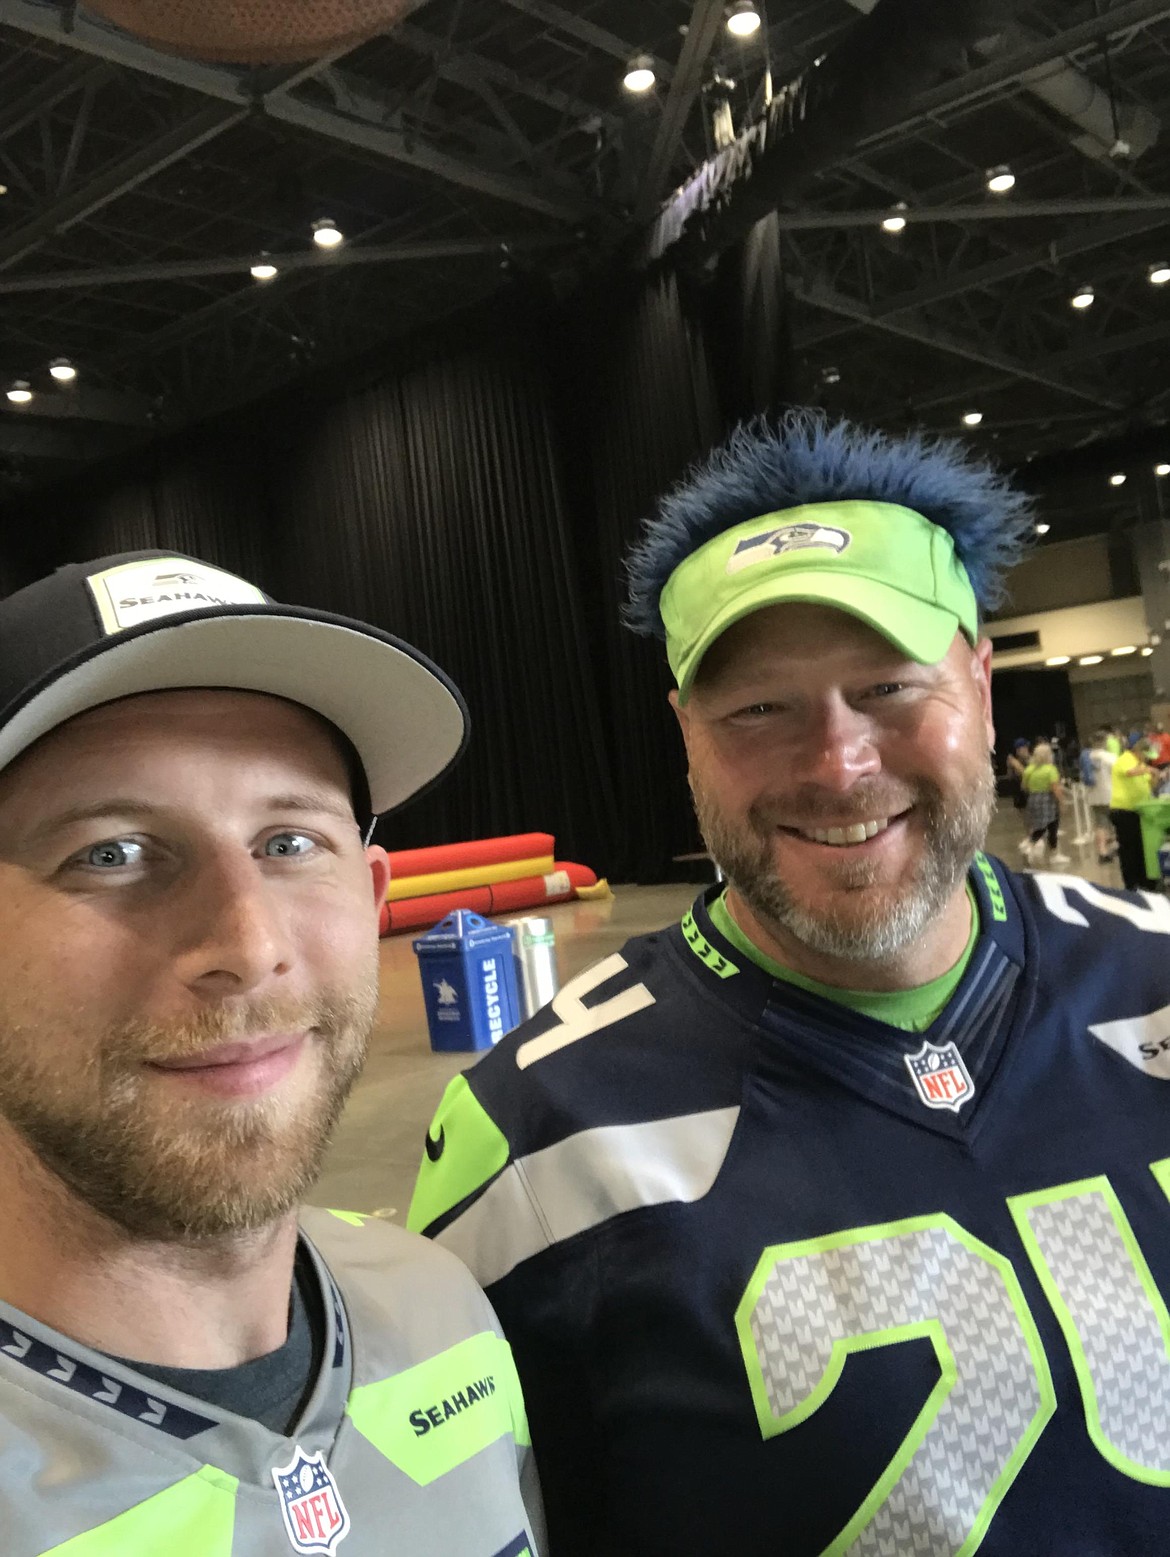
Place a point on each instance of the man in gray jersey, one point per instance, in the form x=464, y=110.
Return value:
x=188, y=951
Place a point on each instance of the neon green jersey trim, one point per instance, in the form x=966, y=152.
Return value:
x=715, y=962
x=194, y=1518
x=912, y=1010
x=439, y=1413
x=468, y=1148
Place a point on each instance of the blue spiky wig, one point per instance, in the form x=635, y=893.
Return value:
x=805, y=457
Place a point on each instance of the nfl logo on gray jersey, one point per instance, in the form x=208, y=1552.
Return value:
x=314, y=1515
x=940, y=1078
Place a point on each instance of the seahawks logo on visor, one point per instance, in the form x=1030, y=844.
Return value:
x=787, y=537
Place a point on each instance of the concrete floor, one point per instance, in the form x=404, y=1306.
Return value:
x=374, y=1157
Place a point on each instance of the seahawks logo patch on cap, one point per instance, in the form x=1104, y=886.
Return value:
x=784, y=538
x=137, y=592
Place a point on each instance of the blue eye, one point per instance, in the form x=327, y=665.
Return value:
x=114, y=852
x=288, y=846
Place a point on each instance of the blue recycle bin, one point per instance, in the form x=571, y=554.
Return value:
x=468, y=980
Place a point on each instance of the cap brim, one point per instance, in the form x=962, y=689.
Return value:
x=404, y=717
x=921, y=631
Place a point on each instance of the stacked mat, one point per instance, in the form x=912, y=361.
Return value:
x=489, y=876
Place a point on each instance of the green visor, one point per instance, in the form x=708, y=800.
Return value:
x=887, y=565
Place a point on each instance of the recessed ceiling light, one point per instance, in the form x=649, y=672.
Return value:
x=972, y=418
x=1000, y=179
x=1082, y=297
x=20, y=393
x=895, y=221
x=639, y=76
x=1057, y=659
x=264, y=270
x=62, y=370
x=1042, y=528
x=1159, y=274
x=1090, y=659
x=1126, y=648
x=743, y=19
x=327, y=234
x=1117, y=479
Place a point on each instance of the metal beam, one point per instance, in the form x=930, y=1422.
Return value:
x=706, y=22
x=924, y=334
x=974, y=84
x=566, y=204
x=1047, y=256
x=1109, y=345
x=587, y=32
x=69, y=78
x=1000, y=211
x=83, y=403
x=24, y=439
x=470, y=70
x=300, y=259
x=562, y=204
x=116, y=179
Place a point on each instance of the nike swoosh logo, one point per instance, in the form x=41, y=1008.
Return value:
x=435, y=1148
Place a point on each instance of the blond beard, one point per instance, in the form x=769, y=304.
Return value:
x=873, y=923
x=193, y=1170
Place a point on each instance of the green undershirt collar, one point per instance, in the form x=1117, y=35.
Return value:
x=913, y=1010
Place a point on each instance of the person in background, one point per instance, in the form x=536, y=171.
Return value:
x=190, y=1361
x=1097, y=776
x=1045, y=792
x=1157, y=746
x=1112, y=740
x=1017, y=760
x=1132, y=783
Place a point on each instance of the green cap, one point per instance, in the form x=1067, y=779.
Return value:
x=885, y=564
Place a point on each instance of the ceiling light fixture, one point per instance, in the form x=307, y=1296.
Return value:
x=1090, y=659
x=264, y=270
x=62, y=370
x=1162, y=470
x=20, y=393
x=830, y=375
x=1042, y=528
x=1082, y=297
x=1000, y=179
x=1117, y=479
x=743, y=19
x=327, y=234
x=972, y=418
x=1057, y=659
x=894, y=222
x=1146, y=652
x=1126, y=648
x=639, y=76
x=1158, y=274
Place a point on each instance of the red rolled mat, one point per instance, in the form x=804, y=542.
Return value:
x=507, y=897
x=466, y=856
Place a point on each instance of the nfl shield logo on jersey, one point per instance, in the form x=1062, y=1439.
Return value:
x=940, y=1077
x=314, y=1515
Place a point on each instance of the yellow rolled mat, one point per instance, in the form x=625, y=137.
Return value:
x=473, y=876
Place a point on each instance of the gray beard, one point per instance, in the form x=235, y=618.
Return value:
x=880, y=928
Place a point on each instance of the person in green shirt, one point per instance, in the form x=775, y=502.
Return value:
x=1041, y=783
x=1132, y=784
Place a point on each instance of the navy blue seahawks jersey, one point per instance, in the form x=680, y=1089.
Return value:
x=782, y=1278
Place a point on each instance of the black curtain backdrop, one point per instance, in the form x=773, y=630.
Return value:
x=476, y=497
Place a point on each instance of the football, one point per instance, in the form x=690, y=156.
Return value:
x=253, y=32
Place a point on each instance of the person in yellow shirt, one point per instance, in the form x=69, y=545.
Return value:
x=1041, y=784
x=1132, y=783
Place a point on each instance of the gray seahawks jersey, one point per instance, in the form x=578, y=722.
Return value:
x=413, y=1439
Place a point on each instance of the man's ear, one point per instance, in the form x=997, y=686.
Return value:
x=981, y=671
x=379, y=862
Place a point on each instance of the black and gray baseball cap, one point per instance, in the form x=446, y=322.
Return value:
x=154, y=621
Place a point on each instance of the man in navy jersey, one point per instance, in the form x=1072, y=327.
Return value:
x=835, y=1218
